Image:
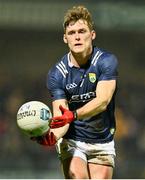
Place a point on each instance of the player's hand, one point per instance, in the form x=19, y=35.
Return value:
x=67, y=117
x=48, y=139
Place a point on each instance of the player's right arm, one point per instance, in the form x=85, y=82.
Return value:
x=53, y=135
x=54, y=84
x=59, y=132
x=57, y=92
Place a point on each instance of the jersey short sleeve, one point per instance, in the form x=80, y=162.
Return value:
x=54, y=84
x=108, y=67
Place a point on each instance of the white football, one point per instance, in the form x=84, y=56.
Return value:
x=33, y=118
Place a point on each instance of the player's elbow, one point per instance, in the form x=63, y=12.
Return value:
x=104, y=105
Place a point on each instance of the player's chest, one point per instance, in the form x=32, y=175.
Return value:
x=81, y=81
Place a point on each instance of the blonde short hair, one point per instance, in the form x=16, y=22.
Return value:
x=76, y=13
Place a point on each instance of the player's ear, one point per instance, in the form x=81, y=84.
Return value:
x=93, y=34
x=64, y=38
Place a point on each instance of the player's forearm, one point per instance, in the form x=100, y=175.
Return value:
x=104, y=93
x=60, y=132
x=92, y=108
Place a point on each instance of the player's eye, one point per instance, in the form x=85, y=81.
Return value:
x=82, y=31
x=71, y=32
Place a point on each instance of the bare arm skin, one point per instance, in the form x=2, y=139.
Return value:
x=104, y=93
x=59, y=132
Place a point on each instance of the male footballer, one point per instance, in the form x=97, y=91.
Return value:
x=82, y=85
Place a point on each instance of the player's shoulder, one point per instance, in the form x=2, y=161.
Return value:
x=104, y=56
x=60, y=67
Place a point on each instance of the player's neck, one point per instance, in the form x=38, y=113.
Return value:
x=80, y=59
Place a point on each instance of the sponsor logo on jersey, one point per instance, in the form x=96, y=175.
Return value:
x=71, y=86
x=83, y=97
x=92, y=77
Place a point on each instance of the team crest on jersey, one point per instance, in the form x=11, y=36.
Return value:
x=92, y=77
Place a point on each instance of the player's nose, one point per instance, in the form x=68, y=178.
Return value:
x=77, y=36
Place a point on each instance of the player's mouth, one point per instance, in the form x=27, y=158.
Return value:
x=78, y=44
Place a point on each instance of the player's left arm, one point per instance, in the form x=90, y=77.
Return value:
x=104, y=92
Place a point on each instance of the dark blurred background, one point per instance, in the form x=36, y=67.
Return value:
x=31, y=42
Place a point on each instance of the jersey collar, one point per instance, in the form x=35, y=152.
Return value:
x=69, y=61
x=93, y=56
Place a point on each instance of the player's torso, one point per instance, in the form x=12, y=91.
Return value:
x=79, y=85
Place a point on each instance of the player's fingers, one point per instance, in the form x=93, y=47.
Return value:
x=57, y=118
x=54, y=125
x=62, y=108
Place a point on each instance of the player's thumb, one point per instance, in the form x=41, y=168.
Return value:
x=62, y=109
x=56, y=118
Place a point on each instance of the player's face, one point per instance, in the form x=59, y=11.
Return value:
x=79, y=37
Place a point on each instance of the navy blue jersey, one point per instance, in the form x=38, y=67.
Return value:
x=78, y=86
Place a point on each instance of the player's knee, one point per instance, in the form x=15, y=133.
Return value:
x=105, y=173
x=78, y=174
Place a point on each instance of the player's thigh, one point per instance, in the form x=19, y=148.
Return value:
x=75, y=168
x=98, y=171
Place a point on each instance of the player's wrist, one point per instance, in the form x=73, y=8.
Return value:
x=75, y=115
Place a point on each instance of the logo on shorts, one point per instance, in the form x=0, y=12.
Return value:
x=92, y=77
